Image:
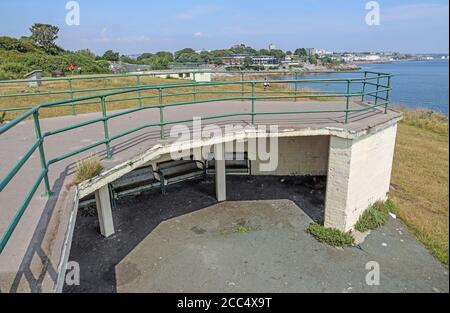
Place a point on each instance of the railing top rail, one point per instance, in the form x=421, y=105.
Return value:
x=156, y=73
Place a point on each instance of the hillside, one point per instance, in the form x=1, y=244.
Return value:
x=21, y=56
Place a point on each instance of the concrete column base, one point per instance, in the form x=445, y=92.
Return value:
x=359, y=174
x=103, y=201
x=221, y=182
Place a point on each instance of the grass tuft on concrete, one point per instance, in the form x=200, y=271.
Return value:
x=87, y=169
x=376, y=216
x=330, y=236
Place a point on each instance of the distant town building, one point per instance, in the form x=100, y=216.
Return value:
x=272, y=47
x=234, y=59
x=265, y=61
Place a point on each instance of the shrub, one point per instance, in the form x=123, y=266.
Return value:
x=331, y=236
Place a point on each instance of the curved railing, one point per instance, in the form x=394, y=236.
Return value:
x=376, y=86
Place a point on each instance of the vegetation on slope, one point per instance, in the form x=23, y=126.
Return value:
x=420, y=180
x=21, y=56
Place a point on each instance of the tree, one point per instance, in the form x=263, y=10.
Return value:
x=159, y=63
x=165, y=55
x=185, y=51
x=248, y=62
x=301, y=52
x=111, y=56
x=44, y=35
x=312, y=59
x=144, y=56
x=277, y=53
x=243, y=49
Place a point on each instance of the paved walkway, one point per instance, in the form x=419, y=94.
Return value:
x=47, y=216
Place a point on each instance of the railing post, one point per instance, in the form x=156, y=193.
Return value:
x=296, y=86
x=161, y=113
x=243, y=86
x=253, y=103
x=388, y=95
x=377, y=90
x=364, y=87
x=105, y=127
x=347, y=106
x=138, y=84
x=69, y=81
x=37, y=128
x=195, y=92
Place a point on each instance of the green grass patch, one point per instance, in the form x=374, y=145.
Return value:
x=331, y=236
x=87, y=169
x=376, y=216
x=244, y=230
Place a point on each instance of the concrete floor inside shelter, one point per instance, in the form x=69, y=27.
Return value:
x=255, y=242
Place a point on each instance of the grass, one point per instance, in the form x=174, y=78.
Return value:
x=87, y=169
x=375, y=216
x=28, y=99
x=425, y=119
x=420, y=179
x=330, y=236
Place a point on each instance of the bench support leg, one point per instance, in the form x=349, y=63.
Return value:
x=221, y=183
x=103, y=201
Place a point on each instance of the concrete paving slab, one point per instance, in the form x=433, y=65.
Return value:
x=261, y=246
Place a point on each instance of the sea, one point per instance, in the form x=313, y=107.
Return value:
x=416, y=84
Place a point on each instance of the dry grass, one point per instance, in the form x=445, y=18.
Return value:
x=221, y=91
x=420, y=179
x=87, y=169
x=425, y=119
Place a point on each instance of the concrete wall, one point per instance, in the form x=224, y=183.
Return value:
x=299, y=156
x=359, y=174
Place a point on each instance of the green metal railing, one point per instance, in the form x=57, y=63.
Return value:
x=380, y=84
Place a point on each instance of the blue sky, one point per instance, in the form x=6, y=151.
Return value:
x=136, y=26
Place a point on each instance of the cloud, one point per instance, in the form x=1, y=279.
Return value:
x=104, y=38
x=199, y=34
x=103, y=35
x=196, y=11
x=414, y=12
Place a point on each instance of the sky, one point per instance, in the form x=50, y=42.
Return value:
x=137, y=26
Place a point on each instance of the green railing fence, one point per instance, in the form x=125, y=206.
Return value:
x=376, y=86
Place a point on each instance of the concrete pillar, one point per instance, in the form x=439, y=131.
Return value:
x=359, y=174
x=103, y=201
x=221, y=182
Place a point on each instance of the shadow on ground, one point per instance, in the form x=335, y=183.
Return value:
x=134, y=221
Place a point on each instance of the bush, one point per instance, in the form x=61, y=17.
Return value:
x=331, y=236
